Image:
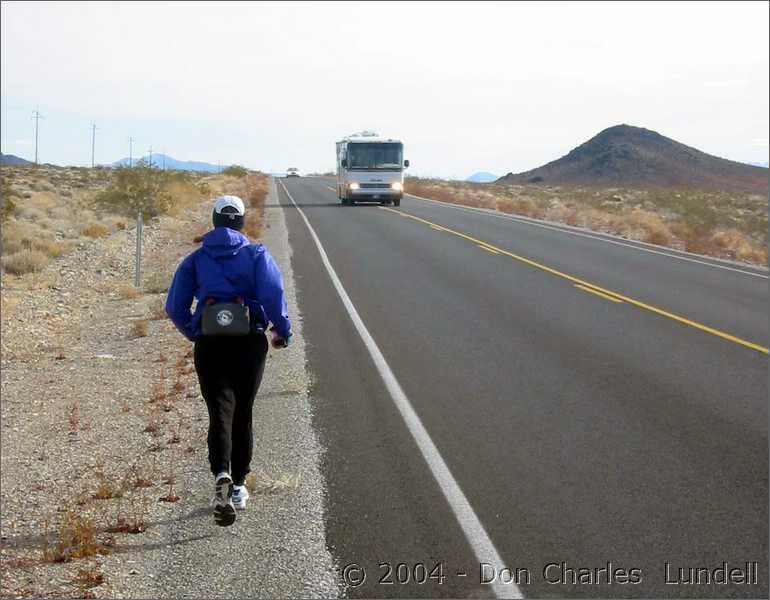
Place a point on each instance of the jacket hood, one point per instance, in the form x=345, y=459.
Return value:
x=223, y=241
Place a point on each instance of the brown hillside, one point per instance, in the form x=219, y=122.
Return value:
x=636, y=157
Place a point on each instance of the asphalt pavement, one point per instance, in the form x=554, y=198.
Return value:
x=601, y=407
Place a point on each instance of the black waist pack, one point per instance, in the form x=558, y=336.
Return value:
x=225, y=319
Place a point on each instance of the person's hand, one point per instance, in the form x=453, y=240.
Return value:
x=279, y=342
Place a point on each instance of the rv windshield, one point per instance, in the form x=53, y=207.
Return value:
x=374, y=156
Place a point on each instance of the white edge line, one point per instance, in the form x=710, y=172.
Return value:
x=474, y=531
x=601, y=238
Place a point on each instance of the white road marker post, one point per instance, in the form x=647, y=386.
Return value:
x=139, y=232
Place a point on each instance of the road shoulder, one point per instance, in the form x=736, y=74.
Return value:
x=277, y=548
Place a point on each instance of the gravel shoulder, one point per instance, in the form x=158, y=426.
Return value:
x=90, y=408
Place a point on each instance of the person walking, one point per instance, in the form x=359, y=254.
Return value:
x=239, y=291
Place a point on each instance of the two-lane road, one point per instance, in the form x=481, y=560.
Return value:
x=593, y=401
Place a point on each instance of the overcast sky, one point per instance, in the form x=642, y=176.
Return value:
x=496, y=87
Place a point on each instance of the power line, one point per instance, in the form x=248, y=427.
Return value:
x=37, y=116
x=93, y=142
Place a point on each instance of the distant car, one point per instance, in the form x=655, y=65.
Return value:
x=292, y=172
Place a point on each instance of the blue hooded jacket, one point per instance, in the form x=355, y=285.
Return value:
x=227, y=266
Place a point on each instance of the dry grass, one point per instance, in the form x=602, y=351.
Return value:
x=76, y=538
x=140, y=329
x=42, y=222
x=8, y=306
x=27, y=249
x=95, y=230
x=73, y=417
x=158, y=309
x=88, y=578
x=106, y=490
x=719, y=224
x=254, y=194
x=153, y=426
x=128, y=292
x=157, y=282
x=131, y=513
x=25, y=261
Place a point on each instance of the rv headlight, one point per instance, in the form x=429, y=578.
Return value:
x=397, y=186
x=354, y=186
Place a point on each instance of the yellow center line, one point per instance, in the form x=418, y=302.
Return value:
x=488, y=249
x=587, y=284
x=437, y=228
x=605, y=296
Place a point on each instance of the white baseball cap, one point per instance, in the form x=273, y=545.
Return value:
x=231, y=201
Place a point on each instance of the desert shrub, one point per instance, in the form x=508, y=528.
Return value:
x=254, y=197
x=158, y=282
x=76, y=539
x=30, y=213
x=235, y=171
x=25, y=261
x=140, y=329
x=754, y=254
x=61, y=213
x=446, y=191
x=141, y=189
x=17, y=237
x=654, y=230
x=52, y=248
x=736, y=244
x=129, y=292
x=158, y=309
x=204, y=189
x=521, y=206
x=183, y=192
x=695, y=238
x=8, y=207
x=728, y=239
x=95, y=230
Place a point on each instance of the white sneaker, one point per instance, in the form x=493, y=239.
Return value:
x=224, y=511
x=240, y=496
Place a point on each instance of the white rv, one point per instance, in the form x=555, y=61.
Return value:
x=370, y=168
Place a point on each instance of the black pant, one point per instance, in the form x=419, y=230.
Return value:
x=229, y=372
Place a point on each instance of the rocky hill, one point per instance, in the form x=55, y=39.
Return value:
x=636, y=157
x=13, y=160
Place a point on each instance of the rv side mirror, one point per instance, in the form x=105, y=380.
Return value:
x=406, y=164
x=344, y=163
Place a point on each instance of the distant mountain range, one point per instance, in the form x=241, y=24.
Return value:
x=167, y=162
x=482, y=177
x=636, y=157
x=13, y=161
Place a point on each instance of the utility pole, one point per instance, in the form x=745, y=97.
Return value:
x=93, y=142
x=130, y=152
x=37, y=116
x=150, y=164
x=164, y=160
